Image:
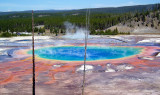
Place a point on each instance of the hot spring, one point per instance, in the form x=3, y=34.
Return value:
x=94, y=53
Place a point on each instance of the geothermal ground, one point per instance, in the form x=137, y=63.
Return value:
x=135, y=75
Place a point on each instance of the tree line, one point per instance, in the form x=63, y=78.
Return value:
x=22, y=22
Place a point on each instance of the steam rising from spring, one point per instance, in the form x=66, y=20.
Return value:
x=75, y=32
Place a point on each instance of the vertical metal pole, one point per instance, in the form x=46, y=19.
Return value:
x=84, y=71
x=33, y=56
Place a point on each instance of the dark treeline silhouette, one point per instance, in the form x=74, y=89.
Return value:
x=99, y=20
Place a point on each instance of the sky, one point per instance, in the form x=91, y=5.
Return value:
x=21, y=5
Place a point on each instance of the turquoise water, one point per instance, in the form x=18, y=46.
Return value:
x=76, y=53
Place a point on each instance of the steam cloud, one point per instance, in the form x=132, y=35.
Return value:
x=74, y=32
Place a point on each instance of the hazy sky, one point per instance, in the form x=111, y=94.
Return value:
x=20, y=5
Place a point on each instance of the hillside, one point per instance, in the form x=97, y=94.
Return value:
x=35, y=11
x=145, y=22
x=126, y=19
x=123, y=9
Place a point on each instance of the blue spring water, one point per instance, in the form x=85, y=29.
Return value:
x=76, y=53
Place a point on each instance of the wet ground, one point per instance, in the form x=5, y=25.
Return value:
x=136, y=75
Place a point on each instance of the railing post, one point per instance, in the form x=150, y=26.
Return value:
x=33, y=56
